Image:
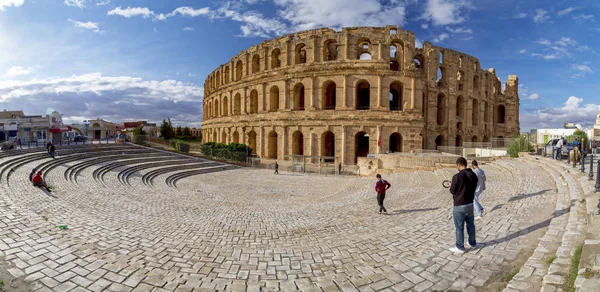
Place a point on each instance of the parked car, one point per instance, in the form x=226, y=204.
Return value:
x=549, y=148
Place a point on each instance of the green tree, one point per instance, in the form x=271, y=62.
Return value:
x=166, y=130
x=139, y=131
x=580, y=135
x=520, y=144
x=186, y=132
x=178, y=132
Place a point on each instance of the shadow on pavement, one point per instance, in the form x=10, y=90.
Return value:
x=525, y=196
x=398, y=212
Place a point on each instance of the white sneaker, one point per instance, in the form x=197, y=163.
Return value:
x=455, y=249
x=470, y=246
x=477, y=217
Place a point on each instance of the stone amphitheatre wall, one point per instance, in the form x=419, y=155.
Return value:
x=327, y=93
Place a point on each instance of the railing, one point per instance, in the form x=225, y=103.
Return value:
x=451, y=149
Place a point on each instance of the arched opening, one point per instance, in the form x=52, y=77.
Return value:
x=459, y=142
x=215, y=136
x=419, y=61
x=298, y=104
x=225, y=107
x=363, y=95
x=331, y=50
x=365, y=56
x=396, y=89
x=476, y=82
x=255, y=63
x=441, y=57
x=218, y=79
x=395, y=142
x=272, y=145
x=362, y=145
x=486, y=114
x=216, y=109
x=252, y=141
x=275, y=62
x=460, y=106
x=393, y=50
x=330, y=95
x=441, y=77
x=441, y=109
x=227, y=74
x=501, y=114
x=439, y=141
x=328, y=144
x=254, y=101
x=209, y=111
x=297, y=143
x=475, y=117
x=96, y=125
x=394, y=65
x=274, y=99
x=300, y=54
x=460, y=76
x=223, y=137
x=236, y=137
x=460, y=61
x=237, y=104
x=500, y=141
x=474, y=139
x=239, y=67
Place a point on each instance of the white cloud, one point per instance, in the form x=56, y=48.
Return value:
x=534, y=96
x=573, y=111
x=444, y=12
x=102, y=3
x=460, y=30
x=558, y=49
x=185, y=11
x=540, y=16
x=131, y=12
x=584, y=17
x=424, y=26
x=191, y=74
x=75, y=3
x=418, y=43
x=188, y=28
x=581, y=70
x=523, y=51
x=544, y=42
x=18, y=70
x=584, y=48
x=254, y=23
x=520, y=15
x=545, y=56
x=441, y=37
x=93, y=26
x=566, y=11
x=564, y=41
x=9, y=3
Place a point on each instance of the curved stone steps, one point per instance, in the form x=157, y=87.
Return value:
x=100, y=173
x=172, y=180
x=148, y=177
x=124, y=175
x=73, y=171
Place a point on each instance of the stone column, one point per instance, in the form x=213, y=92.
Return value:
x=263, y=103
x=346, y=45
x=315, y=94
x=343, y=145
x=261, y=142
x=244, y=101
x=379, y=85
x=413, y=94
x=378, y=138
x=344, y=95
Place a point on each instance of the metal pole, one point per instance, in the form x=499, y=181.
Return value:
x=597, y=186
x=591, y=175
x=582, y=164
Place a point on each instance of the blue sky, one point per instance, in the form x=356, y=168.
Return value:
x=140, y=59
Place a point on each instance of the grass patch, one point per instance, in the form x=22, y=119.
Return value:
x=548, y=261
x=570, y=284
x=510, y=275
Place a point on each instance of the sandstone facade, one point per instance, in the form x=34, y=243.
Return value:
x=346, y=94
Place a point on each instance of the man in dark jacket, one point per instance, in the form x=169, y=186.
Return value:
x=380, y=187
x=462, y=189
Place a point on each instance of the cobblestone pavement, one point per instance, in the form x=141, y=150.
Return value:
x=250, y=230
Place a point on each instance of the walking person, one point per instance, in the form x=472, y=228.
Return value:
x=51, y=150
x=380, y=187
x=48, y=146
x=462, y=189
x=340, y=169
x=559, y=145
x=480, y=188
x=276, y=168
x=19, y=144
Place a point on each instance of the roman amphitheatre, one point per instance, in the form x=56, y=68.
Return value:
x=137, y=218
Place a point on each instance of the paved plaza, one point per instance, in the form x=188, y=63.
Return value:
x=243, y=229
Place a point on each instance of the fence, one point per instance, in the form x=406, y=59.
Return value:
x=222, y=154
x=314, y=164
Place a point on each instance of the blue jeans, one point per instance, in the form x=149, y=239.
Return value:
x=462, y=214
x=558, y=153
x=477, y=205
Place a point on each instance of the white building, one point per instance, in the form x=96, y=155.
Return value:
x=542, y=136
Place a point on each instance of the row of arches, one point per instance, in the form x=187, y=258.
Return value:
x=461, y=110
x=213, y=109
x=440, y=140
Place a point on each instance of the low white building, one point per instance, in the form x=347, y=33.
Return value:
x=542, y=136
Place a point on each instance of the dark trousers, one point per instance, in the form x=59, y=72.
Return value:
x=276, y=171
x=380, y=198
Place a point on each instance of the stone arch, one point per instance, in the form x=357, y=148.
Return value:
x=272, y=145
x=297, y=143
x=254, y=101
x=227, y=74
x=330, y=50
x=394, y=65
x=329, y=95
x=252, y=141
x=236, y=137
x=396, y=90
x=237, y=104
x=476, y=82
x=225, y=110
x=274, y=98
x=459, y=141
x=475, y=118
x=218, y=79
x=474, y=139
x=239, y=70
x=501, y=114
x=439, y=141
x=275, y=62
x=441, y=109
x=223, y=137
x=363, y=49
x=215, y=137
x=299, y=97
x=460, y=106
x=419, y=61
x=216, y=109
x=328, y=144
x=363, y=95
x=300, y=54
x=361, y=145
x=395, y=142
x=365, y=56
x=96, y=125
x=255, y=63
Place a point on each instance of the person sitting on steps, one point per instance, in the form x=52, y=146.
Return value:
x=31, y=174
x=39, y=182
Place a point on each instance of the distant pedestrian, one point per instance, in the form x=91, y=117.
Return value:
x=276, y=168
x=462, y=189
x=48, y=146
x=19, y=143
x=340, y=169
x=380, y=187
x=52, y=150
x=480, y=188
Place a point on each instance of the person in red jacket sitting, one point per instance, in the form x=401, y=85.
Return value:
x=380, y=187
x=39, y=182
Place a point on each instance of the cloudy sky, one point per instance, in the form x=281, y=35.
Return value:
x=140, y=59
